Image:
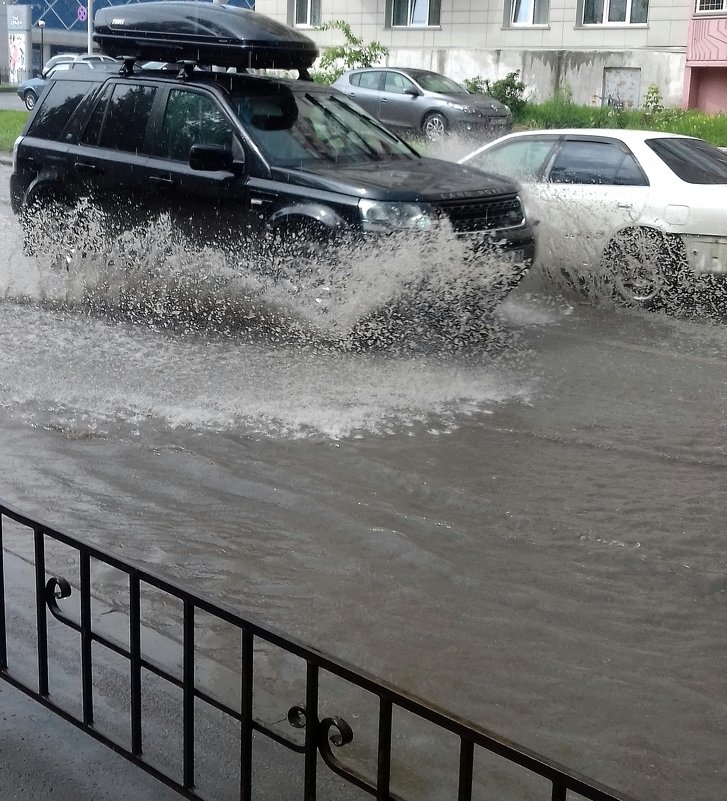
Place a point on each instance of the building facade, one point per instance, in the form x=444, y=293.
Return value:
x=600, y=51
x=597, y=49
x=705, y=75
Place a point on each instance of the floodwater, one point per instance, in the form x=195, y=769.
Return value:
x=528, y=533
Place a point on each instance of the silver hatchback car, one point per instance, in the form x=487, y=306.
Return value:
x=424, y=101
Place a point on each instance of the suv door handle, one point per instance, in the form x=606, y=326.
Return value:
x=164, y=180
x=85, y=166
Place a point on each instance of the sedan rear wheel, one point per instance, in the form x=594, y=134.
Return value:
x=643, y=267
x=29, y=99
x=434, y=126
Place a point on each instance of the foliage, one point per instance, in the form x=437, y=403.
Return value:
x=477, y=85
x=11, y=124
x=555, y=113
x=653, y=101
x=352, y=54
x=509, y=90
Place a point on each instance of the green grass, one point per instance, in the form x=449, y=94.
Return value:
x=557, y=113
x=11, y=124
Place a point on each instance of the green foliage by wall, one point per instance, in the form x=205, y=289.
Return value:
x=350, y=55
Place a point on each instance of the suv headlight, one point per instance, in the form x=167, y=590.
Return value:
x=377, y=215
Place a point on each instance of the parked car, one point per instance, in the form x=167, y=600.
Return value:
x=61, y=58
x=227, y=155
x=423, y=101
x=31, y=89
x=643, y=209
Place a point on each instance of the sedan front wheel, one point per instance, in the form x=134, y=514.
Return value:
x=643, y=267
x=29, y=99
x=434, y=126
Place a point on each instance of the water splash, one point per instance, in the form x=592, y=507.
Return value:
x=398, y=291
x=145, y=334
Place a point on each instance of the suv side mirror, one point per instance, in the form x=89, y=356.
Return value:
x=413, y=91
x=211, y=158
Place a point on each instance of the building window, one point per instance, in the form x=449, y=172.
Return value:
x=307, y=13
x=615, y=12
x=530, y=12
x=710, y=5
x=414, y=13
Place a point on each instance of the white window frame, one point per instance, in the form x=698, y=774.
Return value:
x=606, y=23
x=516, y=5
x=312, y=13
x=412, y=11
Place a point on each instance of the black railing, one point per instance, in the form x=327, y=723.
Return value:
x=321, y=735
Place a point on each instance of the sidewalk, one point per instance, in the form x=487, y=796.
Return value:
x=45, y=758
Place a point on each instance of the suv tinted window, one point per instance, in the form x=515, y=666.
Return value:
x=292, y=129
x=592, y=162
x=121, y=116
x=190, y=119
x=693, y=160
x=61, y=101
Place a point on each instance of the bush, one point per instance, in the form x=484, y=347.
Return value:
x=653, y=101
x=560, y=112
x=352, y=54
x=509, y=90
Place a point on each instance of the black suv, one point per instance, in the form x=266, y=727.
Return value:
x=230, y=155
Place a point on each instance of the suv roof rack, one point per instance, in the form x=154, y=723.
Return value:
x=203, y=32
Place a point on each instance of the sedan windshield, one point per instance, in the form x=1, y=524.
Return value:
x=693, y=160
x=433, y=82
x=295, y=129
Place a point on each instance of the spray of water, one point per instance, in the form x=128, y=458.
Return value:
x=400, y=292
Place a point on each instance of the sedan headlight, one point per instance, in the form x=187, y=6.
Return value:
x=380, y=216
x=464, y=109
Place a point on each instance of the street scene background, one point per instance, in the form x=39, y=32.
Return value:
x=528, y=532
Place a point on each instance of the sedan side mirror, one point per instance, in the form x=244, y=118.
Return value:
x=413, y=91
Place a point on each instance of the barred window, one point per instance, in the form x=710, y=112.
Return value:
x=710, y=5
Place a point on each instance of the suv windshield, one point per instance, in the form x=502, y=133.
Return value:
x=294, y=129
x=692, y=160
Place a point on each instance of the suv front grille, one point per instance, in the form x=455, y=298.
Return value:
x=483, y=214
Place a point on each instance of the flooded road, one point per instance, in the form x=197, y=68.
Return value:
x=529, y=534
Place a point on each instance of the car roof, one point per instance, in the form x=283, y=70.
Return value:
x=629, y=136
x=229, y=81
x=626, y=135
x=405, y=70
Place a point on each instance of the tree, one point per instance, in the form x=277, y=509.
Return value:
x=352, y=54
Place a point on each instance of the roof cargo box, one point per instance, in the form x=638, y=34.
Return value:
x=204, y=32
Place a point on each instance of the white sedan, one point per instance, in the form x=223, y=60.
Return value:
x=641, y=211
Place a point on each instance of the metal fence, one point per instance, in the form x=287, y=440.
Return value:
x=324, y=738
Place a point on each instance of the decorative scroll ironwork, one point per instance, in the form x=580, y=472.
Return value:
x=321, y=736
